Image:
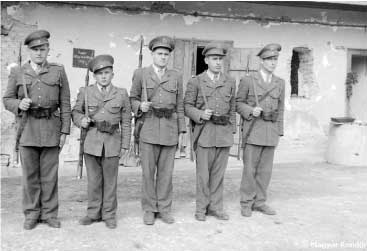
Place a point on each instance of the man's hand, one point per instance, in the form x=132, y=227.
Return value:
x=207, y=114
x=25, y=104
x=144, y=106
x=257, y=111
x=122, y=152
x=85, y=122
x=62, y=141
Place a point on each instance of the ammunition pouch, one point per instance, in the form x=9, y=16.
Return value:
x=220, y=119
x=163, y=112
x=41, y=112
x=270, y=116
x=104, y=126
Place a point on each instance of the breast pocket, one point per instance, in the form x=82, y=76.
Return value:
x=274, y=96
x=226, y=93
x=227, y=98
x=28, y=81
x=51, y=85
x=92, y=108
x=209, y=95
x=170, y=91
x=113, y=106
x=51, y=79
x=150, y=88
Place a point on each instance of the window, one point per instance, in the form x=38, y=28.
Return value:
x=302, y=76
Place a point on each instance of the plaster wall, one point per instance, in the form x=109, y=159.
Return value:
x=117, y=33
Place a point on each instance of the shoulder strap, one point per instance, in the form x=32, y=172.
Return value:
x=154, y=92
x=255, y=92
x=266, y=94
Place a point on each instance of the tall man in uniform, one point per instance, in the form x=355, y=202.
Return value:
x=157, y=95
x=108, y=137
x=210, y=104
x=261, y=138
x=47, y=122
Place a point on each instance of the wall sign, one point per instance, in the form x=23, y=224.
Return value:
x=81, y=57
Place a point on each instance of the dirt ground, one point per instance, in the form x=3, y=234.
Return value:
x=320, y=207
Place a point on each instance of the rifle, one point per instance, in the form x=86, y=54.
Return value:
x=191, y=123
x=138, y=122
x=23, y=120
x=83, y=131
x=196, y=135
x=141, y=51
x=240, y=131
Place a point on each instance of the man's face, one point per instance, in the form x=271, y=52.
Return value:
x=104, y=76
x=269, y=64
x=215, y=63
x=39, y=54
x=160, y=57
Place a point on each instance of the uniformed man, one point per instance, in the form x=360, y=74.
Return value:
x=210, y=104
x=157, y=96
x=108, y=137
x=47, y=122
x=260, y=102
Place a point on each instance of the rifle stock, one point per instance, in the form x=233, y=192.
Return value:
x=191, y=128
x=83, y=131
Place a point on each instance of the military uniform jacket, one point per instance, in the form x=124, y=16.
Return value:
x=264, y=133
x=221, y=99
x=114, y=108
x=161, y=131
x=47, y=89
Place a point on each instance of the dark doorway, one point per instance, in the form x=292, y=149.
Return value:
x=294, y=73
x=200, y=63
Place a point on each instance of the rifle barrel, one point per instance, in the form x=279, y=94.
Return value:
x=141, y=51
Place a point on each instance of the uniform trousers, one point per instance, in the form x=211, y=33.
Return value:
x=102, y=175
x=256, y=175
x=40, y=181
x=157, y=162
x=211, y=163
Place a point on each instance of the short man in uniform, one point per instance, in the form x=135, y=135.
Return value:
x=108, y=137
x=46, y=122
x=210, y=104
x=157, y=95
x=261, y=138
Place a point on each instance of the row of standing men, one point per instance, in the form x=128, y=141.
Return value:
x=38, y=94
